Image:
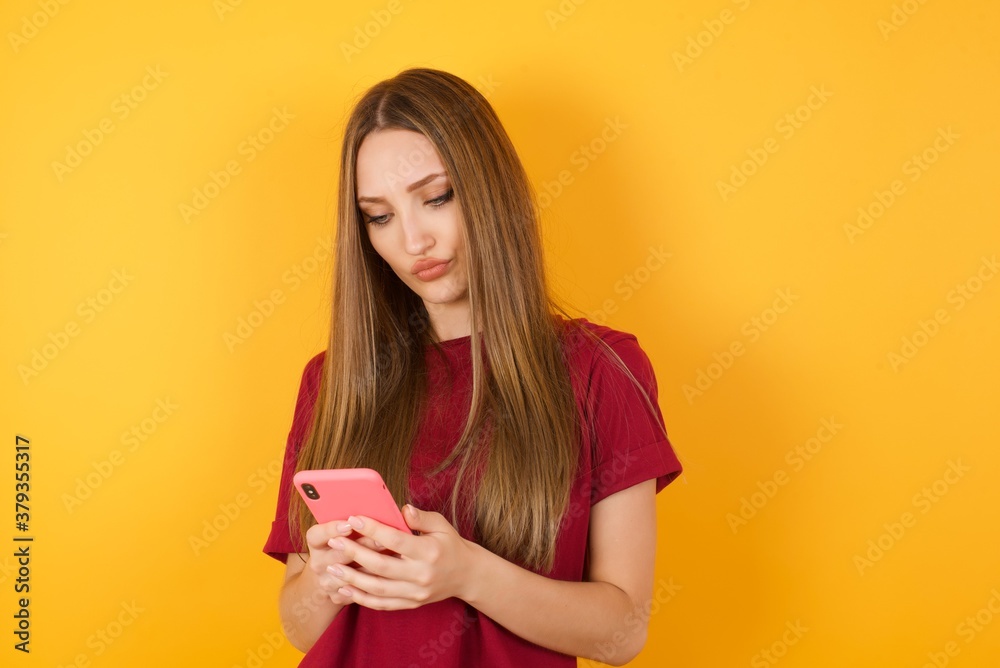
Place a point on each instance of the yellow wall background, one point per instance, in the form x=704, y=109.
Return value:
x=829, y=379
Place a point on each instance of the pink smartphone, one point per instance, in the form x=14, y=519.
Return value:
x=336, y=494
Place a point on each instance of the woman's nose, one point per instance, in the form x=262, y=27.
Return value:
x=417, y=238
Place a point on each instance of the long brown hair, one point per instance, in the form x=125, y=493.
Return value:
x=522, y=430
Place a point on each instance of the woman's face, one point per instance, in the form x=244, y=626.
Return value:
x=412, y=218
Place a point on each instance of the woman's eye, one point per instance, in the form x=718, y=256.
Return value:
x=438, y=201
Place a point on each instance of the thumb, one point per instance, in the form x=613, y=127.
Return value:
x=416, y=519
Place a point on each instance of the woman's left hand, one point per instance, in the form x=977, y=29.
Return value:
x=430, y=567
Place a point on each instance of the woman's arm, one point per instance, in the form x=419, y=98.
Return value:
x=604, y=618
x=309, y=600
x=306, y=610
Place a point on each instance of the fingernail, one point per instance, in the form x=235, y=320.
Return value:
x=336, y=570
x=344, y=528
x=336, y=544
x=356, y=522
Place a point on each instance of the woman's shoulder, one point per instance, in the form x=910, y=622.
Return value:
x=311, y=373
x=316, y=361
x=584, y=339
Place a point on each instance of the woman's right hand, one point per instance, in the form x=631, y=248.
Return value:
x=309, y=600
x=322, y=556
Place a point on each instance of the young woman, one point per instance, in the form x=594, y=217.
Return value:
x=526, y=444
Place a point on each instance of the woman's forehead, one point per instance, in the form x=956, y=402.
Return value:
x=394, y=159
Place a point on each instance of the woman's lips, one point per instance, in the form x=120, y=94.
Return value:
x=429, y=270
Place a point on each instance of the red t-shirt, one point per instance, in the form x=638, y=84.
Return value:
x=451, y=633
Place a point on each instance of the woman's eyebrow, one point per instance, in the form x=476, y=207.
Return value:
x=410, y=188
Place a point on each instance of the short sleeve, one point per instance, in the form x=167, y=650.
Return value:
x=629, y=438
x=280, y=543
